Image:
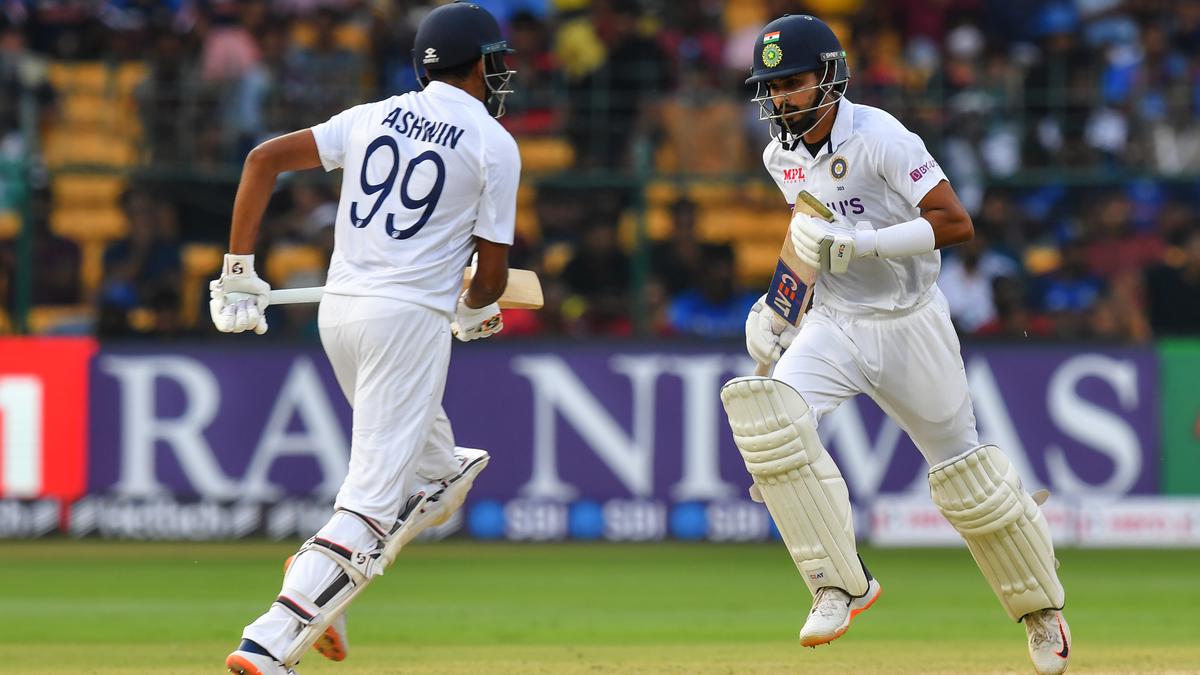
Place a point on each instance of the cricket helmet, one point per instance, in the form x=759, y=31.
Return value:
x=793, y=44
x=460, y=33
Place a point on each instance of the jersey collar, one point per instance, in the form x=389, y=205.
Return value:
x=441, y=89
x=843, y=125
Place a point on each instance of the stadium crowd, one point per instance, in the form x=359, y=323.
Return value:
x=1071, y=130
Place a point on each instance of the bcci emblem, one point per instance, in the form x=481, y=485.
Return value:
x=772, y=55
x=838, y=168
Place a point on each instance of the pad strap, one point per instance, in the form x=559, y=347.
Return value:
x=299, y=605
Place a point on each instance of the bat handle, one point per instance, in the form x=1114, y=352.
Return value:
x=762, y=369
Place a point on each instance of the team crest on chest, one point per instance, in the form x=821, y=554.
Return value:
x=838, y=167
x=772, y=55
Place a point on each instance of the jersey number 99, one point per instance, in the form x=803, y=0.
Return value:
x=428, y=203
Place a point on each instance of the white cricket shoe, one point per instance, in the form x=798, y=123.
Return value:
x=251, y=659
x=1049, y=641
x=832, y=611
x=447, y=495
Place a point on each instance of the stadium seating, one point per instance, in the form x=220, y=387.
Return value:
x=540, y=154
x=201, y=262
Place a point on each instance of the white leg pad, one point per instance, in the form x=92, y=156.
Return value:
x=981, y=495
x=358, y=568
x=776, y=433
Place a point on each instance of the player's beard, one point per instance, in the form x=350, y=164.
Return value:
x=798, y=126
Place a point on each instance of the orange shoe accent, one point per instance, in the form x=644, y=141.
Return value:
x=860, y=610
x=240, y=666
x=330, y=645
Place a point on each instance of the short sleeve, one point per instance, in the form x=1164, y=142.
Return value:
x=769, y=163
x=907, y=166
x=497, y=215
x=333, y=136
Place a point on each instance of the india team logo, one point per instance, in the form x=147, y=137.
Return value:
x=838, y=167
x=772, y=55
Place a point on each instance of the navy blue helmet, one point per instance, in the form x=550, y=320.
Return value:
x=790, y=45
x=458, y=34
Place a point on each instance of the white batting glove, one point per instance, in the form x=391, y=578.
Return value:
x=763, y=343
x=807, y=234
x=472, y=324
x=238, y=298
x=821, y=245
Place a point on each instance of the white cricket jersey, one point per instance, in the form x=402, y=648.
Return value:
x=425, y=172
x=872, y=173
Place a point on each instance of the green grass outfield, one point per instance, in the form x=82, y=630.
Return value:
x=478, y=609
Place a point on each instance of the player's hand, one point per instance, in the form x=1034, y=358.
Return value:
x=807, y=235
x=238, y=298
x=762, y=341
x=473, y=324
x=821, y=245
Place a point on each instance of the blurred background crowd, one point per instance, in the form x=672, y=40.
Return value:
x=1071, y=130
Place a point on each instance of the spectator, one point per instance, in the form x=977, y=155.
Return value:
x=715, y=307
x=967, y=278
x=1069, y=293
x=676, y=262
x=1115, y=248
x=323, y=79
x=1173, y=291
x=1014, y=320
x=142, y=270
x=607, y=106
x=599, y=274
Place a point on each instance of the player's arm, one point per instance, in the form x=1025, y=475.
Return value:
x=947, y=216
x=238, y=298
x=491, y=274
x=478, y=313
x=291, y=152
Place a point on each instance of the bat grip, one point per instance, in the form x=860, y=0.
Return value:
x=762, y=369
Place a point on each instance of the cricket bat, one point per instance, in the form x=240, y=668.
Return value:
x=792, y=285
x=524, y=291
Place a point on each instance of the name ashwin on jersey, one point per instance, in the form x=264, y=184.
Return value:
x=418, y=128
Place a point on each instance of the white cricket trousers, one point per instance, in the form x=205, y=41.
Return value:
x=908, y=362
x=390, y=358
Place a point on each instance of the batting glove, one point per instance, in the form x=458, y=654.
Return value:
x=474, y=323
x=821, y=246
x=238, y=298
x=763, y=341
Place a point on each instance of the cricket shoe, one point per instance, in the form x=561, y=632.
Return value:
x=445, y=496
x=1049, y=641
x=832, y=611
x=251, y=659
x=332, y=644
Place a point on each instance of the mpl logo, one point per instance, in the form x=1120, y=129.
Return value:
x=795, y=175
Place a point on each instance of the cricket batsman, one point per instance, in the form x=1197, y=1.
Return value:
x=879, y=326
x=429, y=177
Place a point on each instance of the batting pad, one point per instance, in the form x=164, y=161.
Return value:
x=775, y=431
x=980, y=493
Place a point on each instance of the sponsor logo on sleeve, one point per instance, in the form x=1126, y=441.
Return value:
x=794, y=175
x=919, y=172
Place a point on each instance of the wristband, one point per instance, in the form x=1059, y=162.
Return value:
x=903, y=239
